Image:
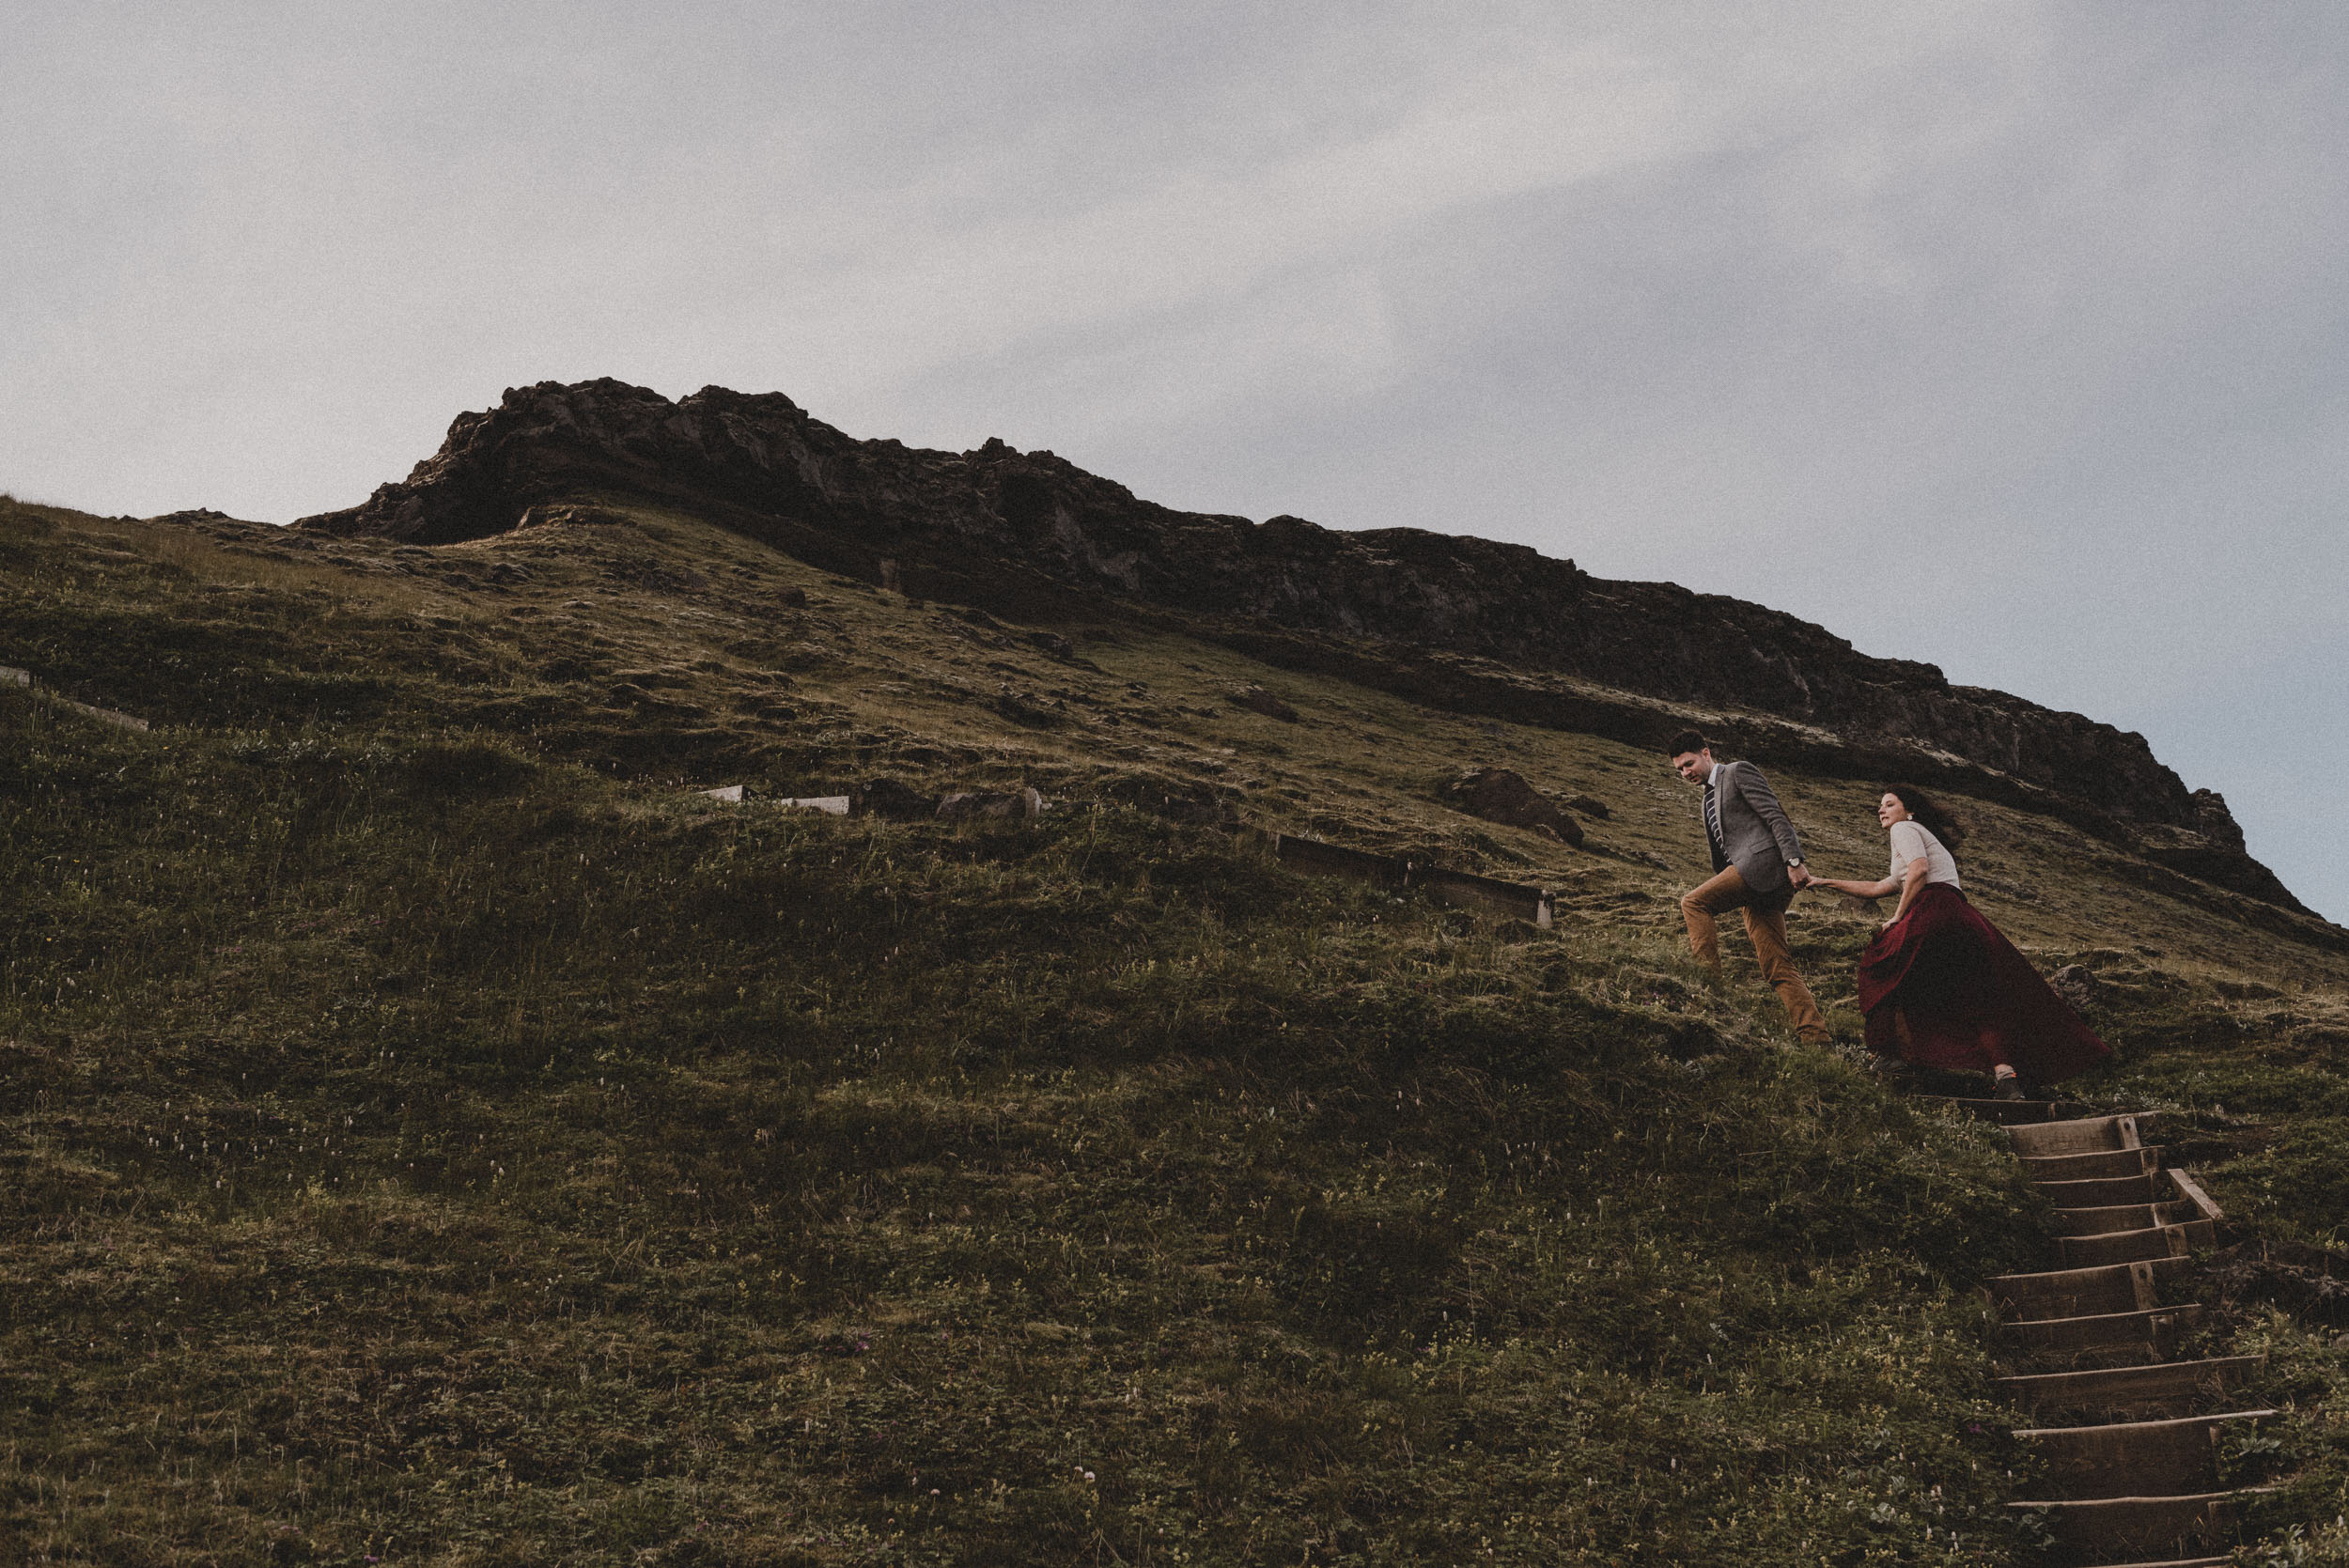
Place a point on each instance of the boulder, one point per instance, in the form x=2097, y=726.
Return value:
x=1187, y=802
x=888, y=798
x=1025, y=709
x=1589, y=806
x=1019, y=804
x=575, y=516
x=1501, y=795
x=2077, y=984
x=1257, y=700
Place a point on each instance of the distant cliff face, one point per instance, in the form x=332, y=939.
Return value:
x=991, y=520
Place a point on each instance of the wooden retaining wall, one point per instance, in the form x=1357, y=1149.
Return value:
x=1461, y=889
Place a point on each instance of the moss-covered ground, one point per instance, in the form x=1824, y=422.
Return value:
x=434, y=1134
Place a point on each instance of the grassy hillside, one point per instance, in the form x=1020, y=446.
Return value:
x=437, y=1135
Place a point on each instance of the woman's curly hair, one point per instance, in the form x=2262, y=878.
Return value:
x=1930, y=815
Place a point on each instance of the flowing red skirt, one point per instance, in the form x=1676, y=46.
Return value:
x=1970, y=1001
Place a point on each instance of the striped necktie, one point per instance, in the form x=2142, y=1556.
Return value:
x=1713, y=818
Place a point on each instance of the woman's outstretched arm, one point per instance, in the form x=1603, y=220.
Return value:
x=1860, y=890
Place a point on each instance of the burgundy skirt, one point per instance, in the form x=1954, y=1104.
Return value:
x=1969, y=1000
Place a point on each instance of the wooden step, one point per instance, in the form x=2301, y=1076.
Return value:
x=2124, y=1217
x=2038, y=1140
x=2155, y=1328
x=2099, y=1191
x=2127, y=1287
x=2159, y=1241
x=2095, y=1163
x=2166, y=1386
x=2134, y=1459
x=2114, y=1527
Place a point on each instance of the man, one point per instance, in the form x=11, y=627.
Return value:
x=1757, y=865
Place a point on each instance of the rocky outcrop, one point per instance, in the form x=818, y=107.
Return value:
x=1502, y=795
x=1008, y=805
x=2077, y=984
x=1257, y=700
x=893, y=799
x=1024, y=530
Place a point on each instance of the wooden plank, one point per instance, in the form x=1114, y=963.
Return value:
x=1336, y=859
x=2159, y=1241
x=1469, y=891
x=2128, y=1390
x=1461, y=889
x=2191, y=1190
x=2098, y=1191
x=2081, y=1292
x=2134, y=1459
x=103, y=715
x=11, y=676
x=2110, y=1527
x=2094, y=1165
x=831, y=805
x=2074, y=1137
x=2153, y=1328
x=2104, y=1220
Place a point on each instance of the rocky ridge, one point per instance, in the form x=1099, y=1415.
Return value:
x=1473, y=623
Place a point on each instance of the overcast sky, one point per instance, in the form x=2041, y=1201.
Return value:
x=2010, y=337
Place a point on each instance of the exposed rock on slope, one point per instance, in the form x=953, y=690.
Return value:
x=997, y=525
x=1502, y=795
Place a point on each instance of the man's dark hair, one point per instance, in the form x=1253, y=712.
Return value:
x=1930, y=815
x=1686, y=741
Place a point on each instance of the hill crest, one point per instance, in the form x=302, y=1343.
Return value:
x=1405, y=610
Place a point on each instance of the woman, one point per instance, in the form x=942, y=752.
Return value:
x=1940, y=986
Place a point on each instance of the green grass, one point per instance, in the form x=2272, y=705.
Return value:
x=434, y=1134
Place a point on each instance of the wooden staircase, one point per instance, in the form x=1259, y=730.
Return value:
x=2128, y=1431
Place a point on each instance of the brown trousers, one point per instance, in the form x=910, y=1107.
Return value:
x=1765, y=926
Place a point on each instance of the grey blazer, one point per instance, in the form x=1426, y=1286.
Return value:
x=1756, y=837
